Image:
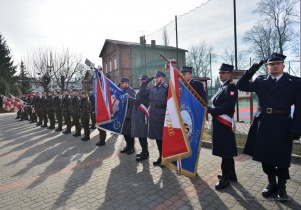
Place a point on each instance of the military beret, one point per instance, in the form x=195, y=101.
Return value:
x=123, y=79
x=226, y=68
x=186, y=69
x=275, y=58
x=44, y=92
x=143, y=77
x=84, y=92
x=160, y=74
x=50, y=92
x=74, y=90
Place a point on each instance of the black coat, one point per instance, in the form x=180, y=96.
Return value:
x=158, y=101
x=126, y=129
x=199, y=88
x=223, y=138
x=268, y=138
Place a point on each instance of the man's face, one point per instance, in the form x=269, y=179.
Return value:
x=74, y=93
x=187, y=76
x=123, y=85
x=84, y=96
x=38, y=94
x=159, y=81
x=49, y=94
x=55, y=93
x=90, y=92
x=43, y=95
x=275, y=68
x=141, y=81
x=224, y=76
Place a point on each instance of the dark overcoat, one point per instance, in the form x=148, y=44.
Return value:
x=139, y=123
x=199, y=88
x=158, y=101
x=268, y=138
x=223, y=138
x=126, y=129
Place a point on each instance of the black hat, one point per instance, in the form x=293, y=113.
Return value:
x=160, y=74
x=123, y=79
x=226, y=68
x=44, y=92
x=143, y=77
x=275, y=58
x=186, y=69
x=74, y=90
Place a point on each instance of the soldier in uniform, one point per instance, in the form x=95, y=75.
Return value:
x=272, y=131
x=223, y=128
x=42, y=105
x=102, y=137
x=186, y=72
x=19, y=114
x=85, y=110
x=66, y=111
x=126, y=129
x=33, y=114
x=37, y=109
x=28, y=108
x=50, y=109
x=158, y=101
x=75, y=105
x=92, y=114
x=139, y=119
x=57, y=104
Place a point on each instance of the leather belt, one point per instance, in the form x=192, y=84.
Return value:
x=158, y=106
x=273, y=111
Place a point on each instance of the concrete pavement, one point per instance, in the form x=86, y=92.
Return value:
x=44, y=169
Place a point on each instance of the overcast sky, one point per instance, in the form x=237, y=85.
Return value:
x=83, y=25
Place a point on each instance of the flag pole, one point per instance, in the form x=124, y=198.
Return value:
x=192, y=90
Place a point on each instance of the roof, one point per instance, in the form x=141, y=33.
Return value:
x=117, y=42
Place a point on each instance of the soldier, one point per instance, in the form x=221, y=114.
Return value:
x=197, y=86
x=42, y=110
x=19, y=114
x=223, y=130
x=92, y=100
x=57, y=104
x=139, y=119
x=23, y=109
x=33, y=114
x=85, y=110
x=66, y=111
x=126, y=129
x=102, y=137
x=158, y=100
x=37, y=109
x=28, y=107
x=75, y=104
x=50, y=109
x=272, y=132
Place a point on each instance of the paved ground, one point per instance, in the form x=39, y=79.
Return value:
x=43, y=169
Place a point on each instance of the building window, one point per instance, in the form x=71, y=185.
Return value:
x=110, y=65
x=115, y=63
x=106, y=68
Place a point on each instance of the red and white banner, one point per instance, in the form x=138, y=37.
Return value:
x=175, y=144
x=16, y=103
x=6, y=103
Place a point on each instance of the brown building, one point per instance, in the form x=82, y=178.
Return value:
x=130, y=59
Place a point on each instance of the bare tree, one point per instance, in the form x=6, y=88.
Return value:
x=198, y=57
x=242, y=59
x=165, y=37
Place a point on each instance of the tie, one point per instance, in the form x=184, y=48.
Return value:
x=274, y=81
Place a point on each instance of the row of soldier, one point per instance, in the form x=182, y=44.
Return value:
x=55, y=107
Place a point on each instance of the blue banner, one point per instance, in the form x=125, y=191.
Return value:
x=119, y=105
x=193, y=115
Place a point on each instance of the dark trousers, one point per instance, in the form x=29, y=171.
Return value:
x=85, y=123
x=44, y=117
x=143, y=144
x=59, y=119
x=159, y=145
x=93, y=119
x=129, y=141
x=67, y=119
x=76, y=124
x=51, y=118
x=281, y=173
x=228, y=167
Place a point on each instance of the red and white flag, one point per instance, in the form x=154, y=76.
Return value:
x=175, y=144
x=6, y=103
x=16, y=103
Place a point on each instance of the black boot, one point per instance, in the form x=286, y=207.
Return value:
x=232, y=177
x=44, y=126
x=271, y=188
x=101, y=142
x=76, y=134
x=222, y=184
x=157, y=162
x=67, y=131
x=282, y=195
x=131, y=145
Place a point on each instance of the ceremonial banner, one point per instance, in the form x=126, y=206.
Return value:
x=6, y=103
x=111, y=104
x=175, y=145
x=193, y=114
x=16, y=103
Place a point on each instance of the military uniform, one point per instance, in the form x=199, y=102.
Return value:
x=28, y=108
x=85, y=110
x=19, y=114
x=75, y=105
x=223, y=136
x=66, y=113
x=50, y=111
x=42, y=109
x=126, y=129
x=92, y=114
x=33, y=114
x=37, y=110
x=273, y=130
x=139, y=120
x=158, y=101
x=57, y=103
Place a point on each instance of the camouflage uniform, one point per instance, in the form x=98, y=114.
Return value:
x=75, y=103
x=50, y=111
x=85, y=109
x=66, y=112
x=42, y=110
x=57, y=103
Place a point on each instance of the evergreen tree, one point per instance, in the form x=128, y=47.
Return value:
x=23, y=79
x=7, y=69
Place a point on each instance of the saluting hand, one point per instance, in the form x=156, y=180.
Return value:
x=255, y=67
x=149, y=80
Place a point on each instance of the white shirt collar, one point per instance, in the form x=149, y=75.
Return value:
x=277, y=78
